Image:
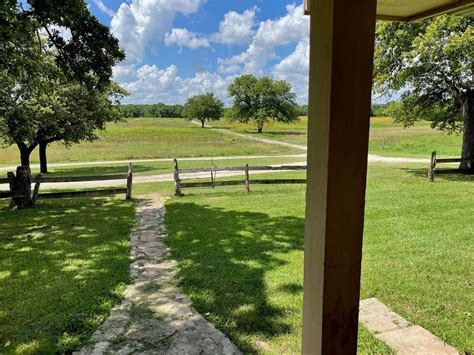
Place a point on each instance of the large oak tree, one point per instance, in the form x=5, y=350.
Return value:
x=261, y=100
x=432, y=63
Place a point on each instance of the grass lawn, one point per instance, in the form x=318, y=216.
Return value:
x=241, y=256
x=386, y=137
x=141, y=138
x=63, y=265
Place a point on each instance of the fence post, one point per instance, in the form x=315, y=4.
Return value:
x=177, y=181
x=36, y=190
x=431, y=172
x=129, y=181
x=247, y=179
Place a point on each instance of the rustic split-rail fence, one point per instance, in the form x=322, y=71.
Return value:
x=197, y=180
x=39, y=179
x=435, y=161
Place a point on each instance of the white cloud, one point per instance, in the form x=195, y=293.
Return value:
x=295, y=70
x=292, y=27
x=150, y=84
x=183, y=38
x=102, y=7
x=142, y=24
x=236, y=28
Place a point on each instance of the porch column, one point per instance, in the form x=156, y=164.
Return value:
x=341, y=55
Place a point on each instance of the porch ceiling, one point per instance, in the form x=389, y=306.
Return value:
x=414, y=10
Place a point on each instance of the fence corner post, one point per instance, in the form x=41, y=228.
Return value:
x=36, y=189
x=129, y=182
x=247, y=179
x=177, y=181
x=431, y=171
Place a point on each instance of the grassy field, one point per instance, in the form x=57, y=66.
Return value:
x=63, y=265
x=166, y=167
x=141, y=138
x=243, y=265
x=386, y=137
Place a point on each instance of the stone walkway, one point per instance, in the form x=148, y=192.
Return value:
x=399, y=334
x=154, y=317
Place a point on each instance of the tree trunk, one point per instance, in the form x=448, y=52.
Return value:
x=42, y=157
x=260, y=129
x=20, y=186
x=25, y=157
x=468, y=138
x=202, y=123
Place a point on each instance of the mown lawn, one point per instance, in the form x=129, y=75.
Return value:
x=141, y=138
x=241, y=256
x=386, y=137
x=63, y=265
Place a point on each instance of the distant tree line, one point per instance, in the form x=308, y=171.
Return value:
x=152, y=110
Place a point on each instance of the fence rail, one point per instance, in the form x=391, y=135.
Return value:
x=39, y=179
x=246, y=181
x=435, y=161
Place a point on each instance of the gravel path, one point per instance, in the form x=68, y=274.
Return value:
x=154, y=317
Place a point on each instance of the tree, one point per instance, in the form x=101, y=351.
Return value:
x=52, y=109
x=87, y=54
x=261, y=100
x=82, y=113
x=432, y=62
x=204, y=107
x=82, y=50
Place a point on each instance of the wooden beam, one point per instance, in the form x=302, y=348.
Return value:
x=341, y=55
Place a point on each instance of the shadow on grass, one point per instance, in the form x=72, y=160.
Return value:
x=62, y=265
x=276, y=133
x=224, y=256
x=106, y=170
x=440, y=175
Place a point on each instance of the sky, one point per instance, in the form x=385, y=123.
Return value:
x=179, y=48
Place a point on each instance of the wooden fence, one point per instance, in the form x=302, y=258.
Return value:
x=435, y=161
x=39, y=179
x=180, y=183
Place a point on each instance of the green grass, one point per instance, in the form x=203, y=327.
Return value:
x=141, y=138
x=241, y=256
x=386, y=137
x=63, y=265
x=151, y=168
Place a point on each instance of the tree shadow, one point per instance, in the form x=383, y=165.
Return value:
x=223, y=257
x=61, y=265
x=440, y=175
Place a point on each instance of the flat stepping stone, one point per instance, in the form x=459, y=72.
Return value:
x=155, y=317
x=399, y=334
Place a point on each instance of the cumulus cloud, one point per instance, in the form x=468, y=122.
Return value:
x=292, y=27
x=150, y=84
x=102, y=7
x=295, y=70
x=142, y=24
x=236, y=28
x=183, y=38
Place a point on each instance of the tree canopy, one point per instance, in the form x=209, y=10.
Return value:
x=432, y=63
x=52, y=108
x=85, y=49
x=261, y=100
x=204, y=108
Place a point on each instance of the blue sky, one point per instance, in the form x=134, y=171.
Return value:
x=179, y=48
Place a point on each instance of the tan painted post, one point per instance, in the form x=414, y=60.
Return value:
x=431, y=172
x=177, y=181
x=36, y=189
x=247, y=179
x=129, y=181
x=341, y=55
